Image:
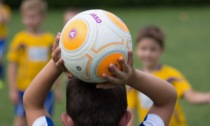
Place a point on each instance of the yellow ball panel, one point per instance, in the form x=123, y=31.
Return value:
x=74, y=35
x=103, y=66
x=117, y=21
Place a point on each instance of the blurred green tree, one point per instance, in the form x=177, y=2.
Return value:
x=110, y=3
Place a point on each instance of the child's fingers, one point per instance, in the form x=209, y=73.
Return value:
x=130, y=58
x=56, y=42
x=111, y=79
x=56, y=55
x=116, y=71
x=59, y=63
x=124, y=64
x=69, y=74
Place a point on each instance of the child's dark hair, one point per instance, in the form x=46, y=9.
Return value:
x=89, y=106
x=152, y=32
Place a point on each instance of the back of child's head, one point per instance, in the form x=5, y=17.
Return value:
x=39, y=6
x=89, y=106
x=152, y=32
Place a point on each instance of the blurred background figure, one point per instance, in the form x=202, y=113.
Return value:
x=150, y=43
x=4, y=19
x=29, y=52
x=69, y=13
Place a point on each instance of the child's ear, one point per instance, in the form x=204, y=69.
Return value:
x=66, y=119
x=125, y=119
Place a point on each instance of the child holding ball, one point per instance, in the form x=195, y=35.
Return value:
x=149, y=49
x=89, y=105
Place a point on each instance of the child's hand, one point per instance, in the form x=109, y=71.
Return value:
x=56, y=56
x=121, y=77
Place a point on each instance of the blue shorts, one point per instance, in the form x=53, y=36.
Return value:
x=2, y=46
x=49, y=104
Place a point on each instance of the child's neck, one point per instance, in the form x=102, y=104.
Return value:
x=34, y=31
x=150, y=69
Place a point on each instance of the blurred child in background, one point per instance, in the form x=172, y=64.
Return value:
x=68, y=14
x=29, y=52
x=149, y=49
x=4, y=18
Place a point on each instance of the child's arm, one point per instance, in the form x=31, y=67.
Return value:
x=195, y=97
x=161, y=92
x=185, y=91
x=12, y=74
x=13, y=56
x=37, y=91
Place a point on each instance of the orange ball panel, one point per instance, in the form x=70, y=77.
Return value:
x=74, y=35
x=117, y=21
x=103, y=66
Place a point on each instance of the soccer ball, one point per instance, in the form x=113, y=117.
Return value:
x=91, y=41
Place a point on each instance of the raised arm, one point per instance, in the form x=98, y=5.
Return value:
x=37, y=91
x=161, y=92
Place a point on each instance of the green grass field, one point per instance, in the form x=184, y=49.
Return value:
x=187, y=48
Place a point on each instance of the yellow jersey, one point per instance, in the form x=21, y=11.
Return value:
x=142, y=103
x=31, y=53
x=3, y=26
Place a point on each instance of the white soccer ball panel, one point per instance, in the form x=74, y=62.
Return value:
x=92, y=37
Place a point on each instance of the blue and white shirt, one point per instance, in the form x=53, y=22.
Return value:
x=43, y=121
x=152, y=120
